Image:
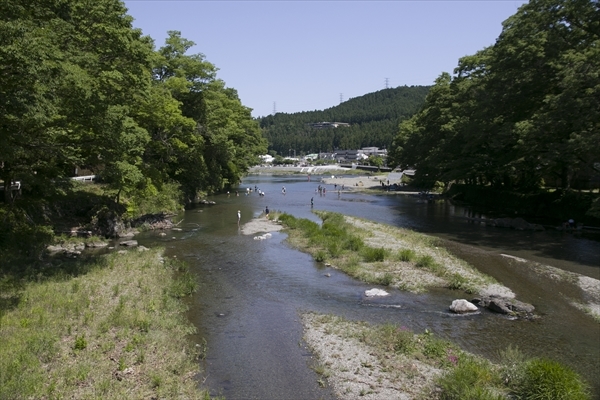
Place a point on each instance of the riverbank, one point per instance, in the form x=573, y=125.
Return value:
x=110, y=327
x=352, y=365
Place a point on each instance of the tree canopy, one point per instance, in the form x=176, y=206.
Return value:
x=519, y=113
x=80, y=87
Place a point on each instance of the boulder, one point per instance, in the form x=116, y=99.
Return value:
x=153, y=221
x=504, y=305
x=96, y=244
x=375, y=292
x=107, y=223
x=462, y=306
x=128, y=243
x=54, y=249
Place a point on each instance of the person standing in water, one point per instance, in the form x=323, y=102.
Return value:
x=239, y=217
x=267, y=212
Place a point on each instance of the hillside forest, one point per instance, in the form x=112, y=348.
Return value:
x=373, y=119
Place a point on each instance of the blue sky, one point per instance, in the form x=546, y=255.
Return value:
x=296, y=56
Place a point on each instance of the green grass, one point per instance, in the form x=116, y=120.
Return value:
x=549, y=380
x=343, y=244
x=371, y=254
x=515, y=376
x=406, y=255
x=116, y=329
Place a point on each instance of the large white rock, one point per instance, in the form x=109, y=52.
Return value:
x=462, y=306
x=375, y=292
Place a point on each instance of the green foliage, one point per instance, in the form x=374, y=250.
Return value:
x=406, y=255
x=426, y=261
x=80, y=342
x=320, y=256
x=471, y=379
x=386, y=279
x=371, y=254
x=514, y=115
x=354, y=243
x=459, y=282
x=150, y=200
x=20, y=237
x=550, y=380
x=374, y=118
x=395, y=339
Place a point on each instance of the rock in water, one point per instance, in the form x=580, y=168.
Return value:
x=462, y=306
x=375, y=292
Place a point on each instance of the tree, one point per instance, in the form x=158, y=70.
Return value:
x=207, y=139
x=519, y=112
x=71, y=74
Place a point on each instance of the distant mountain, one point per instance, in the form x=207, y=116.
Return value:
x=373, y=120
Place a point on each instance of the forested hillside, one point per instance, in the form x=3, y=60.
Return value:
x=374, y=120
x=522, y=114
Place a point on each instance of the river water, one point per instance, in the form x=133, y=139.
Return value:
x=252, y=291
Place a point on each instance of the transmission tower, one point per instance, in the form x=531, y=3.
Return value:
x=274, y=108
x=341, y=97
x=387, y=81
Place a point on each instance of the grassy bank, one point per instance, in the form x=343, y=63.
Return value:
x=111, y=328
x=385, y=255
x=388, y=361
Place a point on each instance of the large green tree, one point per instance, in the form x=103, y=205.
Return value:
x=519, y=112
x=208, y=139
x=72, y=72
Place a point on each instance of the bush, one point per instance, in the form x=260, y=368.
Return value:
x=354, y=244
x=406, y=255
x=396, y=339
x=426, y=261
x=371, y=254
x=386, y=279
x=471, y=379
x=550, y=380
x=320, y=256
x=459, y=282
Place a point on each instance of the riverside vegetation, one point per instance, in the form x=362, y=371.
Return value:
x=389, y=361
x=109, y=327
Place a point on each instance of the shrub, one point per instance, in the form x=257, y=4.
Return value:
x=406, y=255
x=471, y=379
x=459, y=282
x=426, y=261
x=320, y=256
x=80, y=343
x=386, y=279
x=396, y=339
x=512, y=363
x=371, y=254
x=550, y=380
x=334, y=248
x=354, y=244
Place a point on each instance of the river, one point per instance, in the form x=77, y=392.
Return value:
x=252, y=291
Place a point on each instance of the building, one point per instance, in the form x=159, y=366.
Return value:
x=359, y=155
x=326, y=125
